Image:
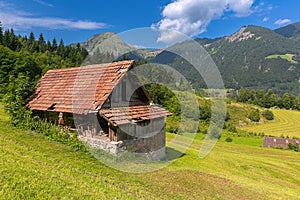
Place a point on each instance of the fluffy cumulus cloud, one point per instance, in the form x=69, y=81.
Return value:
x=191, y=17
x=19, y=20
x=282, y=21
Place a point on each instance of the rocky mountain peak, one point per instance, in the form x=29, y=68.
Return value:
x=240, y=35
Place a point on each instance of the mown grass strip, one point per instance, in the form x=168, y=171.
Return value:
x=287, y=123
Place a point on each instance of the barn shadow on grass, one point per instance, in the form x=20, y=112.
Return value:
x=173, y=154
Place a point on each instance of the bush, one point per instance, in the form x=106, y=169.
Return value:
x=54, y=132
x=229, y=139
x=293, y=147
x=231, y=127
x=254, y=115
x=261, y=134
x=268, y=114
x=215, y=133
x=172, y=129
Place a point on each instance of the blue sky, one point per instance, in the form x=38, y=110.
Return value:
x=76, y=21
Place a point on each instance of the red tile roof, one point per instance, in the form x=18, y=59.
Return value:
x=78, y=90
x=125, y=115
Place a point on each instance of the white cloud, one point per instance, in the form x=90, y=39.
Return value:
x=191, y=17
x=44, y=3
x=19, y=20
x=265, y=19
x=282, y=21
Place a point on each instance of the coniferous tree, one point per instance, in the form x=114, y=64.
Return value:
x=32, y=46
x=6, y=38
x=1, y=34
x=61, y=48
x=54, y=45
x=10, y=40
x=31, y=38
x=48, y=46
x=61, y=43
x=42, y=43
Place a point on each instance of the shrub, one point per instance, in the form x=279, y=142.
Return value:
x=293, y=147
x=231, y=127
x=229, y=139
x=254, y=115
x=262, y=134
x=215, y=133
x=268, y=114
x=172, y=129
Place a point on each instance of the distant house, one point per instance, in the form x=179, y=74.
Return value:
x=109, y=108
x=279, y=142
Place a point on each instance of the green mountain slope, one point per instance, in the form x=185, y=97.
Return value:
x=256, y=57
x=253, y=57
x=291, y=30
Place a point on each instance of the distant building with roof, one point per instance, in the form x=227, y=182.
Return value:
x=279, y=142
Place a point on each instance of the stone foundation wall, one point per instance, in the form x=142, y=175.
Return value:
x=152, y=148
x=114, y=148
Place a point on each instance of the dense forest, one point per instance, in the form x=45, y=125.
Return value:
x=33, y=56
x=23, y=60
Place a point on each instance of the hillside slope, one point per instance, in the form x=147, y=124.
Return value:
x=291, y=30
x=286, y=123
x=34, y=167
x=253, y=57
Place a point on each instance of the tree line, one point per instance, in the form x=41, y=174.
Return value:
x=33, y=56
x=266, y=99
x=23, y=60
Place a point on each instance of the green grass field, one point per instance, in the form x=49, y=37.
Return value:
x=286, y=123
x=31, y=167
x=288, y=57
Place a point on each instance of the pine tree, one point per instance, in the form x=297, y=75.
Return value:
x=10, y=40
x=42, y=43
x=1, y=33
x=61, y=43
x=61, y=48
x=54, y=45
x=48, y=46
x=31, y=38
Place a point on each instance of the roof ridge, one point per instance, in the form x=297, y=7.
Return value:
x=123, y=62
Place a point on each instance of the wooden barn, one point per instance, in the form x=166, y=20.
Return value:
x=106, y=104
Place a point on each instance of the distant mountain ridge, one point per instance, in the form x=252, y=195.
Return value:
x=107, y=47
x=291, y=30
x=258, y=58
x=253, y=57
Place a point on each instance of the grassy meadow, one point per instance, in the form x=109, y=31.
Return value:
x=288, y=57
x=286, y=123
x=32, y=166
